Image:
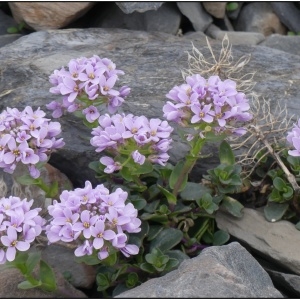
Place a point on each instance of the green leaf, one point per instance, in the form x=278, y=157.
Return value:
x=155, y=217
x=90, y=260
x=211, y=137
x=102, y=281
x=120, y=288
x=96, y=166
x=194, y=191
x=206, y=203
x=288, y=194
x=147, y=268
x=274, y=211
x=154, y=230
x=226, y=154
x=279, y=183
x=231, y=6
x=275, y=196
x=298, y=225
x=176, y=174
x=145, y=168
x=25, y=285
x=32, y=261
x=27, y=180
x=137, y=201
x=232, y=206
x=132, y=280
x=152, y=206
x=170, y=197
x=220, y=238
x=171, y=264
x=166, y=239
x=12, y=30
x=47, y=277
x=126, y=174
x=111, y=260
x=177, y=254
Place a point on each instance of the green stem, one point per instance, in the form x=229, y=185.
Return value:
x=202, y=230
x=190, y=161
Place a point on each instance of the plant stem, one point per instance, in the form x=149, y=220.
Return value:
x=290, y=177
x=190, y=161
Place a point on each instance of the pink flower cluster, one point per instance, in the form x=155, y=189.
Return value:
x=212, y=101
x=19, y=226
x=96, y=219
x=28, y=138
x=293, y=138
x=135, y=136
x=86, y=80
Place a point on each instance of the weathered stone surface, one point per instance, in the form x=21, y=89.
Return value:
x=10, y=278
x=279, y=241
x=259, y=17
x=8, y=38
x=49, y=174
x=235, y=37
x=47, y=15
x=288, y=14
x=289, y=283
x=151, y=62
x=62, y=258
x=216, y=9
x=285, y=43
x=130, y=7
x=165, y=19
x=194, y=11
x=218, y=272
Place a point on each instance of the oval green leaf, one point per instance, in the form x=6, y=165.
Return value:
x=233, y=206
x=226, y=154
x=166, y=239
x=275, y=211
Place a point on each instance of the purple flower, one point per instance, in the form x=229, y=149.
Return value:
x=129, y=250
x=119, y=241
x=138, y=157
x=100, y=234
x=13, y=244
x=85, y=249
x=71, y=88
x=202, y=114
x=91, y=113
x=111, y=165
x=86, y=222
x=296, y=145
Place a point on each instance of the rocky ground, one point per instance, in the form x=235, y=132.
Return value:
x=148, y=41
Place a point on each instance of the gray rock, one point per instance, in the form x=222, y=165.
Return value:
x=10, y=278
x=288, y=14
x=216, y=9
x=279, y=241
x=259, y=17
x=130, y=7
x=8, y=38
x=235, y=37
x=165, y=19
x=218, y=272
x=284, y=43
x=5, y=22
x=62, y=258
x=152, y=64
x=197, y=15
x=288, y=283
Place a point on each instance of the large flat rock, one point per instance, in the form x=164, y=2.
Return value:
x=152, y=63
